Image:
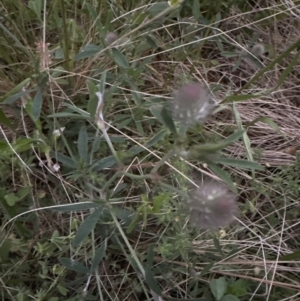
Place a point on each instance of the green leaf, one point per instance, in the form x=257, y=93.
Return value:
x=159, y=200
x=36, y=7
x=77, y=110
x=73, y=265
x=103, y=81
x=161, y=113
x=243, y=97
x=246, y=138
x=218, y=287
x=149, y=277
x=104, y=163
x=266, y=120
x=151, y=41
x=74, y=207
x=196, y=9
x=24, y=144
x=87, y=226
x=223, y=175
x=238, y=288
x=233, y=137
x=11, y=199
x=11, y=99
x=216, y=147
x=156, y=138
x=5, y=247
x=68, y=114
x=23, y=192
x=168, y=120
x=243, y=164
x=120, y=58
x=37, y=105
x=230, y=298
x=150, y=255
x=83, y=144
x=93, y=99
x=229, y=54
x=65, y=160
x=5, y=120
x=293, y=256
x=218, y=245
x=288, y=70
x=99, y=255
x=206, y=269
x=96, y=144
x=153, y=141
x=193, y=299
x=157, y=8
x=16, y=89
x=87, y=52
x=136, y=95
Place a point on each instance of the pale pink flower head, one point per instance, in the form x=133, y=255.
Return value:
x=110, y=38
x=212, y=205
x=192, y=104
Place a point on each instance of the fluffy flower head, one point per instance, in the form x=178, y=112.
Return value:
x=192, y=104
x=212, y=205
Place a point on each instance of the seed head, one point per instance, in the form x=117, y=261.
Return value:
x=110, y=38
x=212, y=205
x=192, y=104
x=258, y=50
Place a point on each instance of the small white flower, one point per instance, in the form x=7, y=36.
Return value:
x=175, y=3
x=57, y=132
x=56, y=167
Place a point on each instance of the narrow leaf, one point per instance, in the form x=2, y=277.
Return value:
x=293, y=256
x=153, y=141
x=244, y=164
x=223, y=175
x=215, y=147
x=87, y=52
x=93, y=99
x=243, y=97
x=151, y=281
x=229, y=54
x=288, y=70
x=120, y=58
x=266, y=120
x=157, y=8
x=99, y=255
x=5, y=120
x=168, y=120
x=67, y=114
x=83, y=144
x=73, y=265
x=104, y=163
x=160, y=112
x=206, y=269
x=87, y=227
x=11, y=99
x=37, y=105
x=65, y=160
x=150, y=256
